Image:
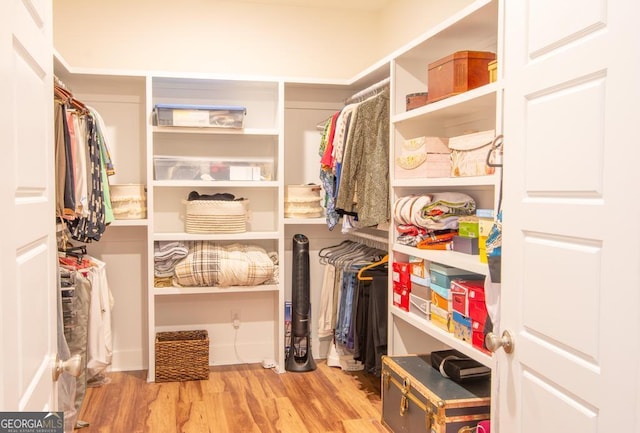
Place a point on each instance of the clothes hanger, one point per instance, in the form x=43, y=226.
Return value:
x=326, y=251
x=382, y=261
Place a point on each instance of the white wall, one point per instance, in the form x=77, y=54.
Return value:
x=238, y=37
x=402, y=21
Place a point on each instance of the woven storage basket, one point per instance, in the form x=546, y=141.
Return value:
x=182, y=355
x=216, y=216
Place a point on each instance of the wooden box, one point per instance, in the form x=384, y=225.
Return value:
x=457, y=73
x=416, y=100
x=417, y=398
x=182, y=355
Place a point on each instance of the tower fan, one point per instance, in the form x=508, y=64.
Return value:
x=299, y=358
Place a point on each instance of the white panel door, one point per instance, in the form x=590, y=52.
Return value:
x=571, y=263
x=28, y=247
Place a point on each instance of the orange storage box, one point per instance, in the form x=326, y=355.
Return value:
x=439, y=301
x=457, y=73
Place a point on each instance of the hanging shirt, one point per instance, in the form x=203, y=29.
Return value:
x=366, y=163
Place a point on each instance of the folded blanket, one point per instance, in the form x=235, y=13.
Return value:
x=209, y=264
x=444, y=210
x=166, y=255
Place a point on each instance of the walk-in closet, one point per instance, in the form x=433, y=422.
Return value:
x=319, y=216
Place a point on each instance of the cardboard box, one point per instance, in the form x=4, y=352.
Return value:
x=484, y=226
x=468, y=226
x=445, y=292
x=441, y=275
x=465, y=245
x=441, y=318
x=417, y=267
x=461, y=327
x=420, y=306
x=440, y=301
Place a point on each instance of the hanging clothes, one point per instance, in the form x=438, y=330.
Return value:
x=83, y=164
x=354, y=171
x=364, y=178
x=353, y=310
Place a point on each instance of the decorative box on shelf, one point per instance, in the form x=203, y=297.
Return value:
x=416, y=100
x=458, y=73
x=128, y=201
x=423, y=157
x=188, y=115
x=469, y=154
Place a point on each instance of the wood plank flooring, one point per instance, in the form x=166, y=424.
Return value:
x=237, y=399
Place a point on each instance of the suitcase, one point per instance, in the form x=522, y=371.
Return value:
x=417, y=398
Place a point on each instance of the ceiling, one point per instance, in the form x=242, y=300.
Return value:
x=368, y=5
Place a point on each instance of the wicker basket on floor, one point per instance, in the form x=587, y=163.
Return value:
x=182, y=355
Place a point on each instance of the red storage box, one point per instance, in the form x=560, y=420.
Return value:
x=401, y=296
x=477, y=305
x=477, y=336
x=402, y=273
x=460, y=294
x=457, y=73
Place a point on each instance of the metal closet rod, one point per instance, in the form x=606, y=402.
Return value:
x=369, y=91
x=369, y=240
x=361, y=95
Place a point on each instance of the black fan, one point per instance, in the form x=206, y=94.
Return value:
x=299, y=358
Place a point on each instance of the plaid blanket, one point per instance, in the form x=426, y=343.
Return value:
x=209, y=264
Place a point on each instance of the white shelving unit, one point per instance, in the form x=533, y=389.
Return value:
x=120, y=98
x=259, y=308
x=474, y=28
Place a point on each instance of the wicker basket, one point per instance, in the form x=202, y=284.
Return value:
x=182, y=355
x=216, y=216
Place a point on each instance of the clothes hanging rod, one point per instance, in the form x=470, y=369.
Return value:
x=370, y=239
x=368, y=91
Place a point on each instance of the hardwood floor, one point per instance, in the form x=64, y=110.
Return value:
x=237, y=399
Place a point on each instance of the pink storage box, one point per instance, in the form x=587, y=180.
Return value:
x=423, y=157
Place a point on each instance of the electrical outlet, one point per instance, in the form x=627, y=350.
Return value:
x=235, y=319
